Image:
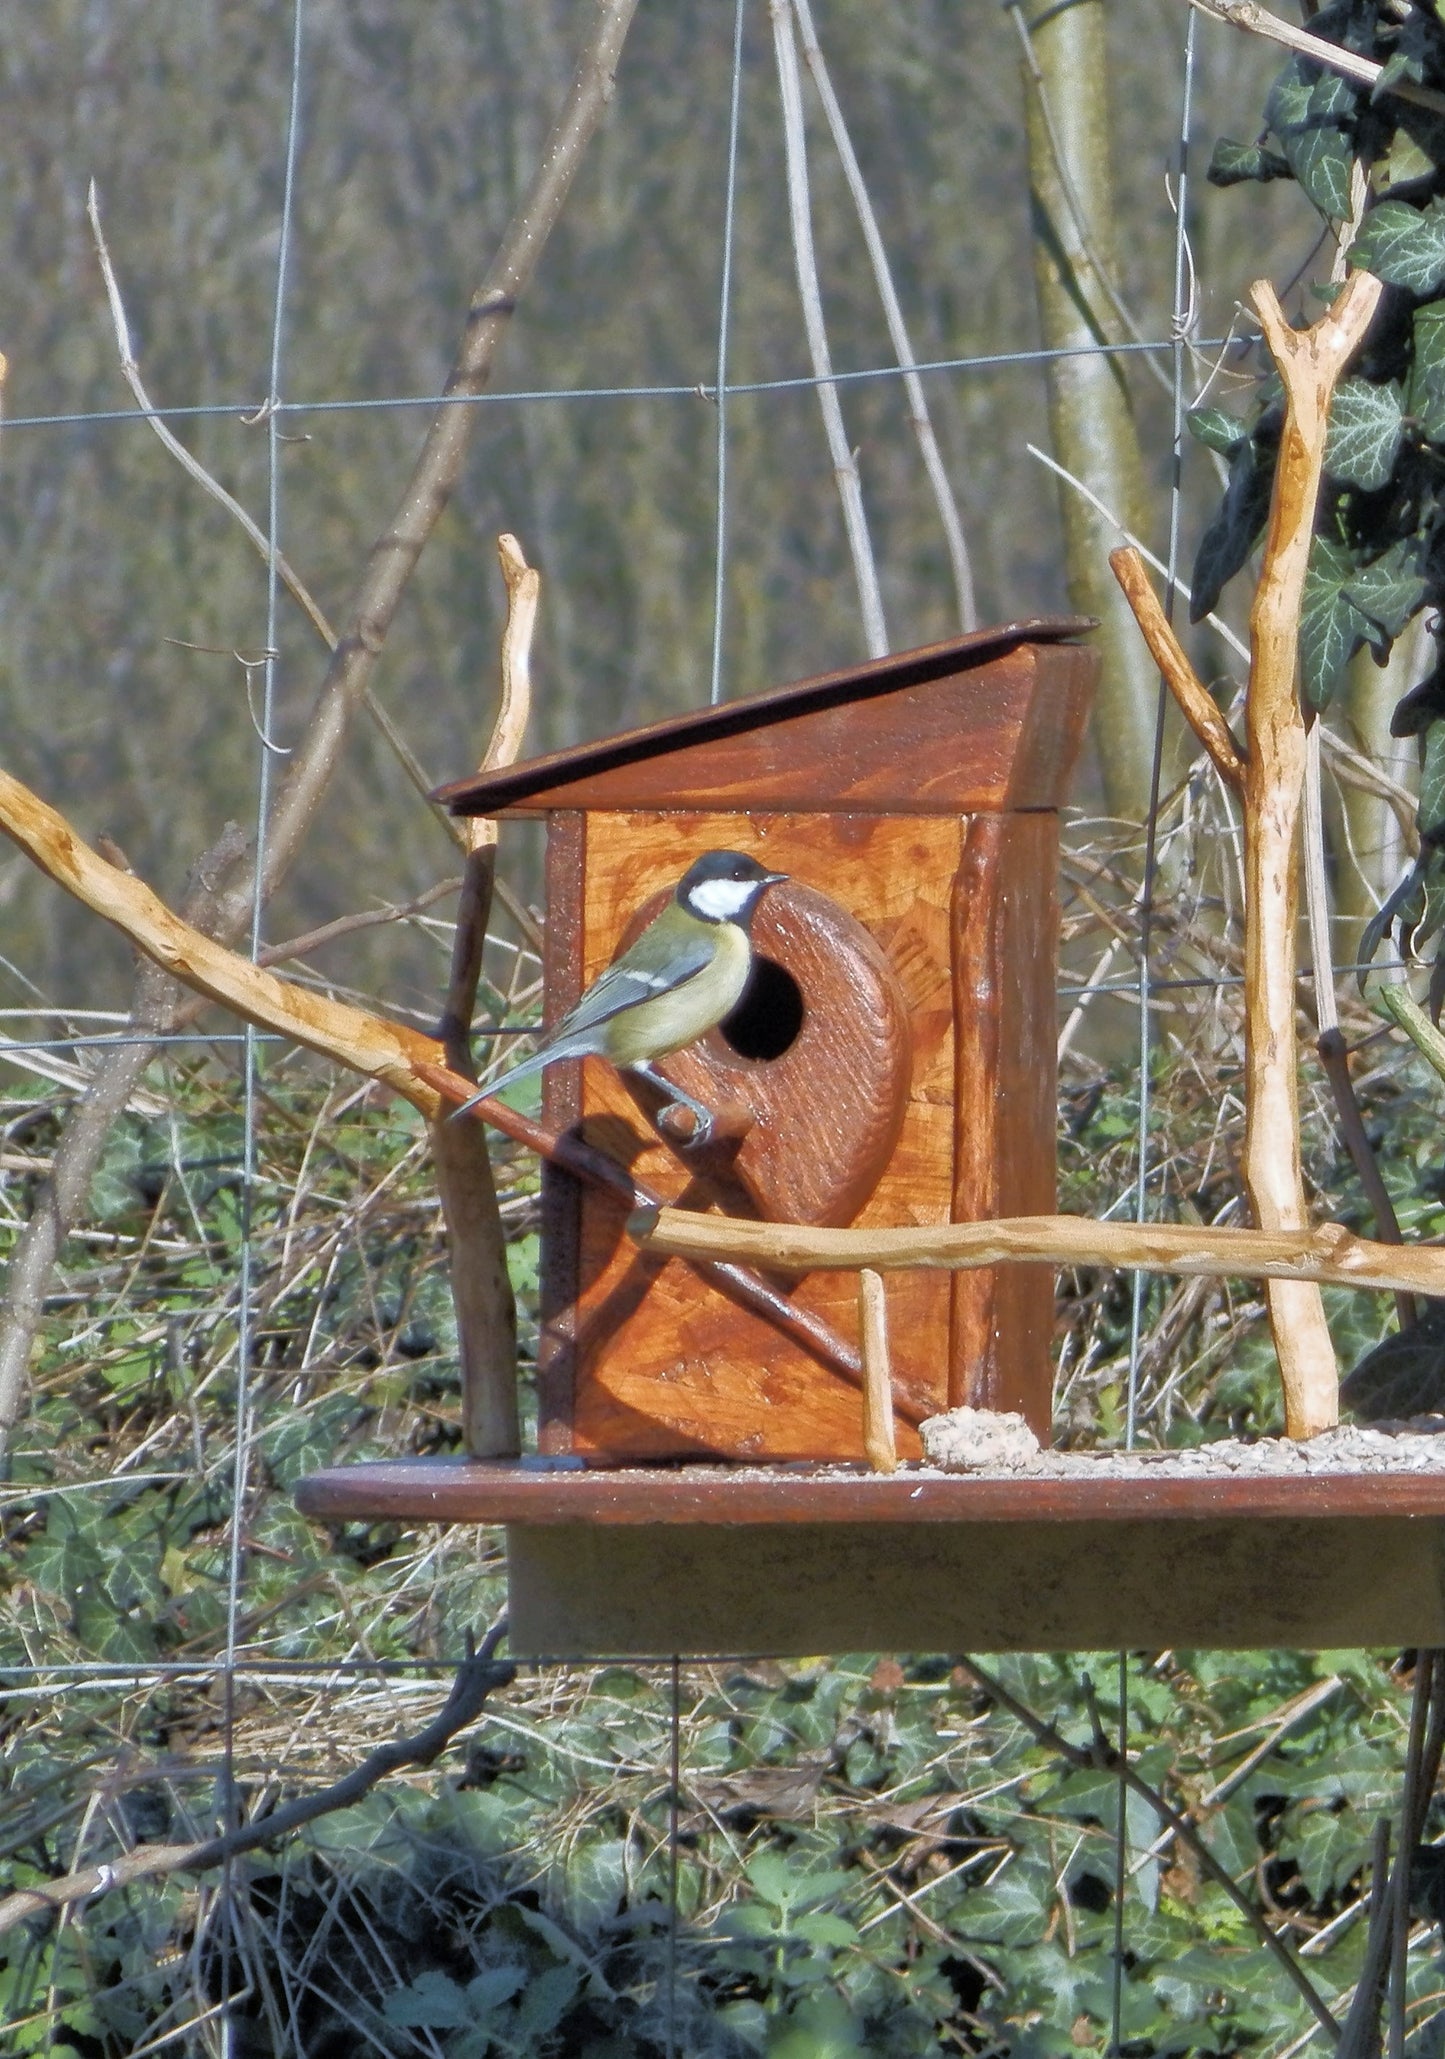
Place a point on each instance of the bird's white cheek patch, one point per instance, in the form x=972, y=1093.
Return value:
x=721, y=899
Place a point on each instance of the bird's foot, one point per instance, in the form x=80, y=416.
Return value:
x=685, y=1123
x=669, y=1118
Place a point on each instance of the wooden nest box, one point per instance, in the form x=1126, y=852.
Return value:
x=893, y=1064
x=892, y=1061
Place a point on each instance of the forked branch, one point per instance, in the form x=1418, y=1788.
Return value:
x=1270, y=775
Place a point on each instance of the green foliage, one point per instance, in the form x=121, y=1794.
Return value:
x=1379, y=553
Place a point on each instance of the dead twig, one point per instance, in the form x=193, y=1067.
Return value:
x=479, y=1675
x=1270, y=776
x=918, y=414
x=845, y=464
x=350, y=925
x=878, y=1440
x=1195, y=702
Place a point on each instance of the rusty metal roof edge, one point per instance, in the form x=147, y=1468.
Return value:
x=486, y=794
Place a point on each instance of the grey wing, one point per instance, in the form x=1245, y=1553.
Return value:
x=626, y=985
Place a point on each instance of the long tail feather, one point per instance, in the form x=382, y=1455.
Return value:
x=528, y=1068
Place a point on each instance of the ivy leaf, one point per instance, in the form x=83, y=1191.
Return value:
x=1427, y=380
x=1405, y=162
x=1422, y=705
x=1311, y=111
x=1431, y=811
x=433, y=2002
x=1231, y=536
x=1332, y=627
x=1404, y=246
x=1401, y=66
x=1234, y=163
x=545, y=2002
x=1403, y=1376
x=1432, y=916
x=1391, y=588
x=1216, y=430
x=1404, y=906
x=1366, y=420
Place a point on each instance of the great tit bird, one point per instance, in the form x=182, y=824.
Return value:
x=684, y=974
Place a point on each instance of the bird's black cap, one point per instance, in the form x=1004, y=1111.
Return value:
x=704, y=888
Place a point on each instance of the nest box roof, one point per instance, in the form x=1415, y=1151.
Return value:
x=988, y=721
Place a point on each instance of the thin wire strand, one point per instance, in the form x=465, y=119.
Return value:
x=721, y=390
x=247, y=411
x=1179, y=326
x=673, y=1790
x=235, y=1570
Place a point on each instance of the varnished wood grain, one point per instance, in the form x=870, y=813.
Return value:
x=662, y=1368
x=473, y=1491
x=820, y=1121
x=1004, y=935
x=987, y=722
x=561, y=1109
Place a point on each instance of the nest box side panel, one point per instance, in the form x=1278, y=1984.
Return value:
x=662, y=1365
x=1004, y=944
x=561, y=1110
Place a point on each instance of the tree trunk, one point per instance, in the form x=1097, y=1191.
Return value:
x=1094, y=436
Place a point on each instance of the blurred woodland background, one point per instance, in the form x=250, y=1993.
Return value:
x=125, y=591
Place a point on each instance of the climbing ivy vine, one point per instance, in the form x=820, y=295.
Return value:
x=1372, y=161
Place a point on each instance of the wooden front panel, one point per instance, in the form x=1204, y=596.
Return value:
x=662, y=1365
x=1004, y=945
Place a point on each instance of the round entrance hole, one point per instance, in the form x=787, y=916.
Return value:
x=767, y=1020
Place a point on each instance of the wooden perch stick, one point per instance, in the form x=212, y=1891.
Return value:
x=1196, y=703
x=878, y=1439
x=1310, y=363
x=1330, y=1254
x=476, y=1239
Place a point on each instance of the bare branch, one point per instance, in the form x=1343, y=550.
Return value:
x=1102, y=272
x=130, y=372
x=918, y=413
x=877, y=1378
x=349, y=925
x=1194, y=699
x=845, y=464
x=1258, y=21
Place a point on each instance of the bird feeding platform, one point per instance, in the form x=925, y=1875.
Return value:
x=699, y=1484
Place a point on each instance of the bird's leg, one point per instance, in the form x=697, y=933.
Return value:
x=677, y=1099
